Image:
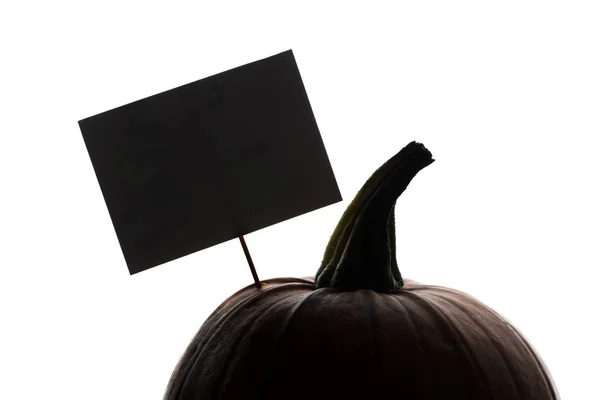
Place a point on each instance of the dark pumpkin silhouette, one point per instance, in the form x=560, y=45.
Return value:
x=358, y=330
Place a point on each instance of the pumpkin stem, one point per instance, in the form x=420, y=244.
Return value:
x=361, y=253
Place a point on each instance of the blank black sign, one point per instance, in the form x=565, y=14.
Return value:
x=209, y=161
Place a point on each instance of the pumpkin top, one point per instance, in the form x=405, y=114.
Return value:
x=361, y=253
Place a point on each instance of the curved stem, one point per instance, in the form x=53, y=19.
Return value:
x=361, y=253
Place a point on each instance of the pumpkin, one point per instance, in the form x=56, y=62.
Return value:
x=358, y=330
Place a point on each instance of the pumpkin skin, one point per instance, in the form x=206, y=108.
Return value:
x=352, y=335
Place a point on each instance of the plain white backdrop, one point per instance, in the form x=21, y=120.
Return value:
x=506, y=95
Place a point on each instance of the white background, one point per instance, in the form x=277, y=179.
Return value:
x=506, y=95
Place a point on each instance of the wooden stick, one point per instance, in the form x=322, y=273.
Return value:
x=250, y=263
